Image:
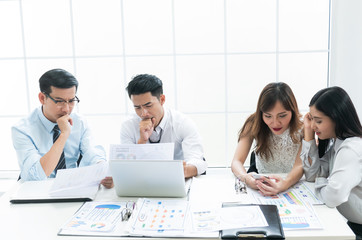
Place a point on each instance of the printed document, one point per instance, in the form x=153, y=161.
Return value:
x=159, y=151
x=295, y=207
x=97, y=219
x=79, y=180
x=75, y=184
x=217, y=218
x=149, y=218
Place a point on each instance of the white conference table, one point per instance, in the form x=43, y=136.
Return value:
x=43, y=220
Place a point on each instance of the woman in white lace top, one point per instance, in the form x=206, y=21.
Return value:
x=276, y=129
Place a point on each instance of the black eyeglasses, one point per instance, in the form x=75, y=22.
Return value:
x=62, y=103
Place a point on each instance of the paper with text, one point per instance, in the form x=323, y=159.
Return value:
x=160, y=215
x=96, y=217
x=150, y=218
x=295, y=207
x=299, y=192
x=205, y=216
x=156, y=151
x=242, y=217
x=79, y=180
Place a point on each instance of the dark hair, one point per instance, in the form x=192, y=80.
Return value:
x=144, y=83
x=255, y=127
x=335, y=103
x=58, y=78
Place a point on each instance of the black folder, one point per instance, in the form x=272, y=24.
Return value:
x=273, y=231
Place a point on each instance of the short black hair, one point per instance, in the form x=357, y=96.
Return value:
x=144, y=83
x=58, y=78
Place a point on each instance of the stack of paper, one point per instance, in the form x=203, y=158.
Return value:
x=75, y=184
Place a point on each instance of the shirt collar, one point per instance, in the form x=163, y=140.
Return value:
x=46, y=123
x=337, y=143
x=163, y=122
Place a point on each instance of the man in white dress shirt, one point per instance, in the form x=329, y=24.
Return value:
x=154, y=123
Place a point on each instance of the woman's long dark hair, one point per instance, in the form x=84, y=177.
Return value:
x=256, y=128
x=335, y=103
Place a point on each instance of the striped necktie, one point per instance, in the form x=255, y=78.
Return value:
x=61, y=163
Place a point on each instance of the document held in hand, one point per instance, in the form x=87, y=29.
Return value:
x=74, y=184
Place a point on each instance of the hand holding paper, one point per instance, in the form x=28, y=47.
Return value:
x=79, y=179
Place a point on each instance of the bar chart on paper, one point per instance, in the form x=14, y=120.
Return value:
x=295, y=207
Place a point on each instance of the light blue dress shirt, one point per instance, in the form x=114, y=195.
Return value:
x=33, y=138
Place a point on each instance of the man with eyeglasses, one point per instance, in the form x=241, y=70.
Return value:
x=52, y=137
x=154, y=123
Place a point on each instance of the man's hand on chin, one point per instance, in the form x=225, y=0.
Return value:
x=146, y=129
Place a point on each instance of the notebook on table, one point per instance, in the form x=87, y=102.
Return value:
x=70, y=185
x=148, y=178
x=40, y=192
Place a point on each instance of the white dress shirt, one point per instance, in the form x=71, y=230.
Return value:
x=337, y=175
x=174, y=127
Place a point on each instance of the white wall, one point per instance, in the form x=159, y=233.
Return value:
x=213, y=56
x=346, y=49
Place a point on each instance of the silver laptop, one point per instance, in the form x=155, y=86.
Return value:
x=148, y=178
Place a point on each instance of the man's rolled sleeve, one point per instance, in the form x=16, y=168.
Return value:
x=28, y=156
x=200, y=165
